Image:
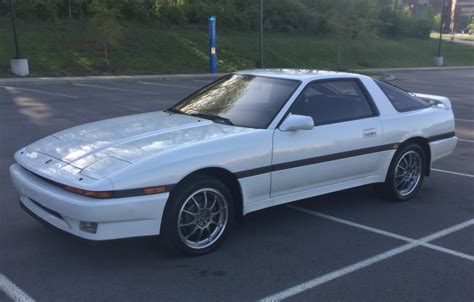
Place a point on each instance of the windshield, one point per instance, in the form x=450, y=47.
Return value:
x=241, y=100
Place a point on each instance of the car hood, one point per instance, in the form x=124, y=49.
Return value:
x=100, y=148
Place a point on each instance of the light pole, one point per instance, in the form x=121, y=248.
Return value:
x=441, y=29
x=18, y=65
x=12, y=14
x=260, y=63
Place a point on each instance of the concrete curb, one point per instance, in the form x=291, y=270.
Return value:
x=416, y=68
x=67, y=80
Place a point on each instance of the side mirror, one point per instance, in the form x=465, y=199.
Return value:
x=295, y=122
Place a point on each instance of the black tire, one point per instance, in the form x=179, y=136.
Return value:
x=174, y=236
x=389, y=188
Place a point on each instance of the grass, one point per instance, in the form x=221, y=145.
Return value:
x=69, y=48
x=457, y=36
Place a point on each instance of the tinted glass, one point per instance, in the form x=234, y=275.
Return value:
x=242, y=100
x=333, y=101
x=401, y=100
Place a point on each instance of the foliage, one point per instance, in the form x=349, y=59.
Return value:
x=399, y=24
x=105, y=23
x=318, y=17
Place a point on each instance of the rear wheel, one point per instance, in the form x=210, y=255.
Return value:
x=405, y=175
x=198, y=215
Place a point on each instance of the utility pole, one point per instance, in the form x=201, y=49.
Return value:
x=260, y=65
x=12, y=14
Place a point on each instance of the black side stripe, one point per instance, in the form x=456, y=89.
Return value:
x=440, y=137
x=330, y=157
x=315, y=160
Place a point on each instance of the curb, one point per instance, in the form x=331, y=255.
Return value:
x=79, y=79
x=68, y=80
x=417, y=68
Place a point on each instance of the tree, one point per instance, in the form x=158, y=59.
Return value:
x=105, y=23
x=352, y=19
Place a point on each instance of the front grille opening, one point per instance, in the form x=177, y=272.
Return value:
x=54, y=213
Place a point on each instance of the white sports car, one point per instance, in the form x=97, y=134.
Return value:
x=250, y=140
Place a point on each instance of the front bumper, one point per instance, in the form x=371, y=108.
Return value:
x=116, y=218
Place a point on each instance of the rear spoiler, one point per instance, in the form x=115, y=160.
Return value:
x=436, y=101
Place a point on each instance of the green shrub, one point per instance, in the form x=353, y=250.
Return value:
x=398, y=24
x=171, y=15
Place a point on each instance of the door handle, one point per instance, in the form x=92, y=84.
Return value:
x=372, y=132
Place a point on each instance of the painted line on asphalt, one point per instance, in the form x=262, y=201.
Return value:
x=13, y=291
x=168, y=85
x=465, y=140
x=117, y=89
x=464, y=120
x=451, y=172
x=381, y=232
x=41, y=91
x=310, y=284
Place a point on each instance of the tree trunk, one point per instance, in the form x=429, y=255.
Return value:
x=106, y=54
x=70, y=9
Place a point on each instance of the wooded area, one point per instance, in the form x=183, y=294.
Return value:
x=304, y=16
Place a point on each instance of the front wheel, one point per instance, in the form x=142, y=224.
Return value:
x=405, y=175
x=198, y=215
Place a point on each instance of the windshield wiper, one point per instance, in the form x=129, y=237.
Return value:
x=214, y=118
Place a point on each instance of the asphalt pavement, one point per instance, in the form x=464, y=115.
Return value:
x=345, y=246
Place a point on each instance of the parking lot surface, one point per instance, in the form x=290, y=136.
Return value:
x=345, y=246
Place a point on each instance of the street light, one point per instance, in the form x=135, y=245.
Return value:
x=18, y=65
x=12, y=15
x=439, y=59
x=260, y=63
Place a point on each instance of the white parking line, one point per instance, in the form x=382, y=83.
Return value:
x=118, y=89
x=169, y=85
x=382, y=232
x=40, y=91
x=451, y=172
x=14, y=292
x=465, y=140
x=464, y=120
x=292, y=291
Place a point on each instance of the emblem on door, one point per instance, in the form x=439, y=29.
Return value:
x=370, y=133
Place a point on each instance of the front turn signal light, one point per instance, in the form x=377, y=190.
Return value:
x=92, y=194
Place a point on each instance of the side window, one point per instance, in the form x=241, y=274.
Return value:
x=401, y=100
x=333, y=101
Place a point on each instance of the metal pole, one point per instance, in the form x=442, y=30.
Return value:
x=261, y=34
x=212, y=45
x=441, y=28
x=12, y=14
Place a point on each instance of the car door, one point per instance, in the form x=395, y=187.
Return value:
x=343, y=145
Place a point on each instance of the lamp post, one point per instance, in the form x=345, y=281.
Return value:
x=12, y=15
x=438, y=60
x=260, y=62
x=18, y=65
